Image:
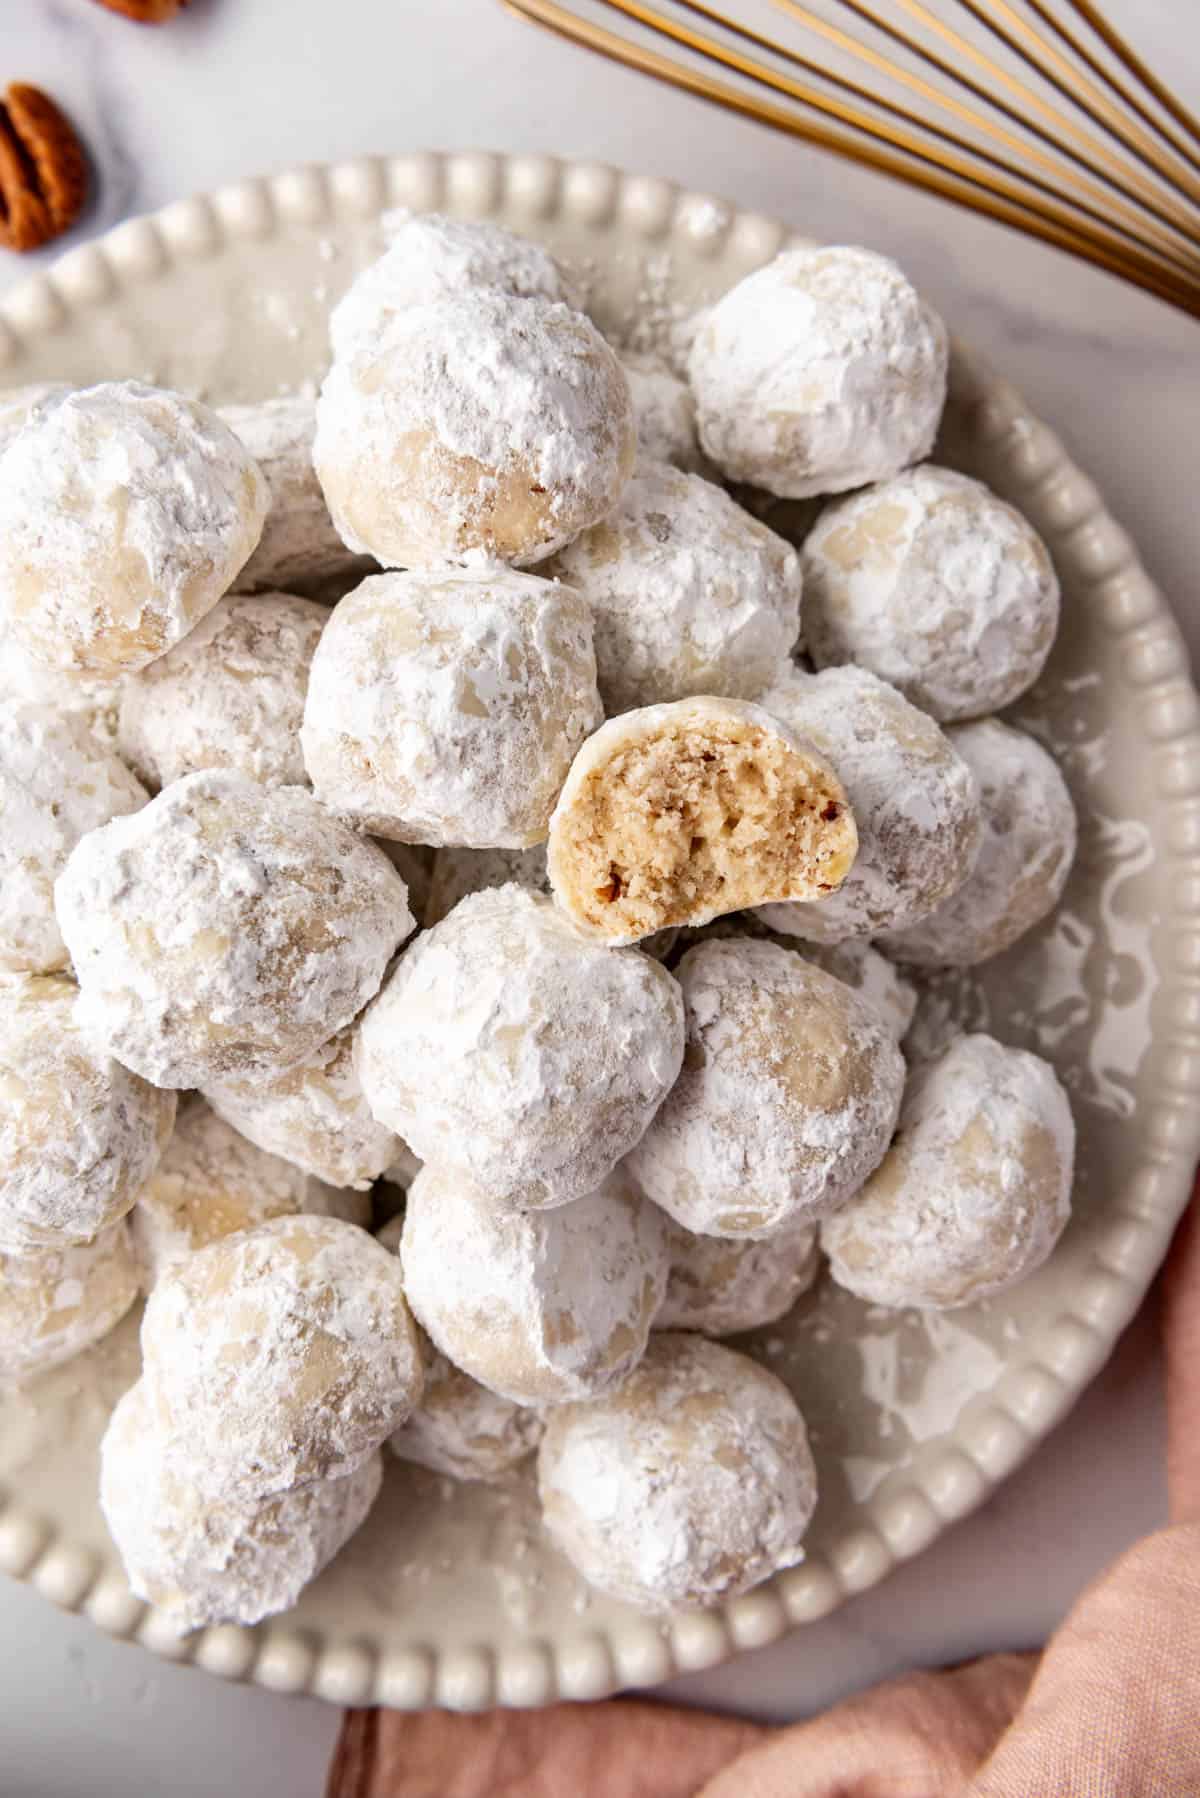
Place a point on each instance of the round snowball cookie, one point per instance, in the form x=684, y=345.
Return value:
x=79, y=1134
x=57, y=1302
x=915, y=800
x=820, y=372
x=540, y=1306
x=664, y=414
x=789, y=1093
x=689, y=594
x=692, y=1483
x=299, y=550
x=677, y=813
x=314, y=1115
x=937, y=586
x=1029, y=839
x=463, y=1429
x=509, y=1049
x=125, y=513
x=226, y=930
x=57, y=782
x=19, y=404
x=481, y=424
x=974, y=1193
x=231, y=695
x=720, y=1287
x=203, y=1562
x=281, y=1354
x=446, y=708
x=211, y=1182
x=432, y=257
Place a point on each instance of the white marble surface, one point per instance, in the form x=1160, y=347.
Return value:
x=240, y=86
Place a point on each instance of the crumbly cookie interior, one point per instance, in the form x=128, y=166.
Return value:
x=699, y=819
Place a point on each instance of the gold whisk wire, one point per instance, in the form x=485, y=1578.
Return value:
x=1120, y=189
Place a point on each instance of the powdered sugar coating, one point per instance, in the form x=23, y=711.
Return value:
x=315, y=1115
x=202, y=1562
x=299, y=549
x=126, y=511
x=225, y=929
x=281, y=1354
x=463, y=1429
x=692, y=1483
x=820, y=372
x=688, y=593
x=431, y=257
x=231, y=695
x=212, y=1182
x=57, y=782
x=79, y=1134
x=19, y=404
x=446, y=707
x=664, y=414
x=938, y=586
x=481, y=424
x=720, y=1287
x=56, y=1303
x=540, y=1306
x=1029, y=839
x=789, y=1093
x=510, y=1050
x=916, y=803
x=975, y=1191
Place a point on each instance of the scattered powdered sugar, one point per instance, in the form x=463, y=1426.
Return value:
x=689, y=594
x=507, y=1047
x=231, y=695
x=281, y=1354
x=125, y=513
x=315, y=1115
x=820, y=372
x=79, y=1134
x=225, y=929
x=447, y=707
x=299, y=549
x=915, y=800
x=203, y=1562
x=721, y=1287
x=789, y=1093
x=463, y=1429
x=540, y=1306
x=693, y=1482
x=1028, y=846
x=480, y=423
x=936, y=585
x=976, y=1190
x=431, y=257
x=664, y=413
x=211, y=1182
x=54, y=1303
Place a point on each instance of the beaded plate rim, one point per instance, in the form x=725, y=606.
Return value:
x=1030, y=1397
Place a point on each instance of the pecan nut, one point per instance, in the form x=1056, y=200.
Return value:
x=43, y=169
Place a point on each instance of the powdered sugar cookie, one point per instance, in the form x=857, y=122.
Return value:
x=664, y=414
x=693, y=1482
x=818, y=373
x=937, y=586
x=463, y=1429
x=226, y=930
x=126, y=512
x=446, y=708
x=689, y=594
x=541, y=1306
x=789, y=1093
x=677, y=813
x=56, y=1303
x=720, y=1288
x=976, y=1190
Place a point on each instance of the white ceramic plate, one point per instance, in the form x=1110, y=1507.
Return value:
x=450, y=1595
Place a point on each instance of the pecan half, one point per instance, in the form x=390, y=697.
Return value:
x=43, y=170
x=146, y=12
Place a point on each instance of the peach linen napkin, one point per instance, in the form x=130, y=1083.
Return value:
x=1110, y=1709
